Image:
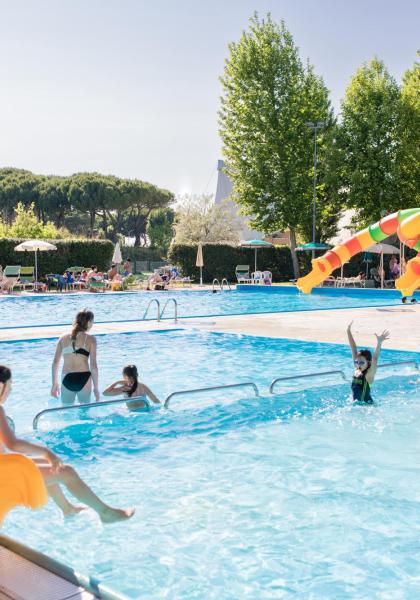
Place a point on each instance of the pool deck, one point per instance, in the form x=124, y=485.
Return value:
x=403, y=321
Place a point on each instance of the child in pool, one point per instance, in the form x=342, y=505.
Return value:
x=365, y=367
x=53, y=471
x=130, y=386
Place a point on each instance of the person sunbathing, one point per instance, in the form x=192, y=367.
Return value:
x=54, y=472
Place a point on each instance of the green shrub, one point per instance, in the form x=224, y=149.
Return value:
x=68, y=254
x=220, y=261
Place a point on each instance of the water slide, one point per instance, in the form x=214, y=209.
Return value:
x=405, y=223
x=21, y=484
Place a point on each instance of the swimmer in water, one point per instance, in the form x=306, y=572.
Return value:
x=365, y=367
x=131, y=387
x=54, y=472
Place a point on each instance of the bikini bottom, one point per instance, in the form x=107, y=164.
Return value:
x=75, y=382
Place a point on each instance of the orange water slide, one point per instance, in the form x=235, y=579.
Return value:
x=404, y=223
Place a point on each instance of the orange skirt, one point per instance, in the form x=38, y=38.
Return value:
x=21, y=484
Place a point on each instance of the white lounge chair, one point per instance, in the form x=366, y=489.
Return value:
x=242, y=274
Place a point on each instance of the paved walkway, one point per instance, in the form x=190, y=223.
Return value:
x=321, y=326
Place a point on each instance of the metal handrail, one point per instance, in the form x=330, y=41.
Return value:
x=86, y=406
x=148, y=306
x=210, y=389
x=175, y=305
x=273, y=383
x=227, y=283
x=218, y=283
x=400, y=362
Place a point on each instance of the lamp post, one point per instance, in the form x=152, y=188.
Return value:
x=314, y=126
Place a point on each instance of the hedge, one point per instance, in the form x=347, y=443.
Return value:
x=220, y=261
x=69, y=253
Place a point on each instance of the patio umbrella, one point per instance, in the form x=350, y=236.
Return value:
x=35, y=246
x=382, y=249
x=256, y=244
x=313, y=246
x=116, y=257
x=199, y=261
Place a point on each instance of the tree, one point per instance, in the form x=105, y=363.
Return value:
x=27, y=225
x=268, y=96
x=199, y=219
x=369, y=139
x=160, y=229
x=408, y=158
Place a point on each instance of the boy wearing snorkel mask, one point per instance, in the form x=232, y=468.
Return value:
x=365, y=366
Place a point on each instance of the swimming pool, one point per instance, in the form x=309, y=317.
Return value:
x=299, y=495
x=61, y=308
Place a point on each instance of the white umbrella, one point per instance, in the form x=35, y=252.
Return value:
x=35, y=246
x=382, y=249
x=116, y=257
x=199, y=261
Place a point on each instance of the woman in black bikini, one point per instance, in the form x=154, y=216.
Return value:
x=365, y=367
x=80, y=370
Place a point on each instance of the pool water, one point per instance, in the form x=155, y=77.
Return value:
x=61, y=308
x=295, y=495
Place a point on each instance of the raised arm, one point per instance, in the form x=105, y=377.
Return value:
x=352, y=343
x=148, y=392
x=379, y=340
x=94, y=369
x=55, y=387
x=8, y=438
x=116, y=389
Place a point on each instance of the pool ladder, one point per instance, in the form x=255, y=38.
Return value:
x=160, y=312
x=175, y=308
x=152, y=301
x=221, y=285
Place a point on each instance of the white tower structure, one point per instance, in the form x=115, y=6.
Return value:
x=223, y=193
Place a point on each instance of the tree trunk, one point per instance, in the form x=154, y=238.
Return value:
x=293, y=250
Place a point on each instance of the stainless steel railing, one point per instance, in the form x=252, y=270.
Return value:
x=305, y=376
x=413, y=363
x=175, y=308
x=218, y=284
x=85, y=407
x=227, y=283
x=211, y=389
x=152, y=301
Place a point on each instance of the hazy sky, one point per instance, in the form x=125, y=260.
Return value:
x=131, y=87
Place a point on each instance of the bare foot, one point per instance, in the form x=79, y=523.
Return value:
x=72, y=510
x=111, y=515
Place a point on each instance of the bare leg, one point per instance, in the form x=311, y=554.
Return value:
x=68, y=477
x=62, y=502
x=56, y=493
x=67, y=397
x=84, y=395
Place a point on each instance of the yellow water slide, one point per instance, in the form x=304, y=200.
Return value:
x=405, y=223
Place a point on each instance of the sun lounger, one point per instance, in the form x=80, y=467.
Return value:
x=242, y=274
x=97, y=285
x=27, y=277
x=10, y=279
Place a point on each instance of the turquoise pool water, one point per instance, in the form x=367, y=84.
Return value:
x=61, y=308
x=299, y=495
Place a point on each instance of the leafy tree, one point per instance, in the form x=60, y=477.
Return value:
x=369, y=140
x=199, y=219
x=16, y=185
x=408, y=158
x=268, y=96
x=27, y=225
x=160, y=228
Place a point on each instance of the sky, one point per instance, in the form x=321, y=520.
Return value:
x=131, y=87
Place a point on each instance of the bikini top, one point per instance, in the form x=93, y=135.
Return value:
x=73, y=350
